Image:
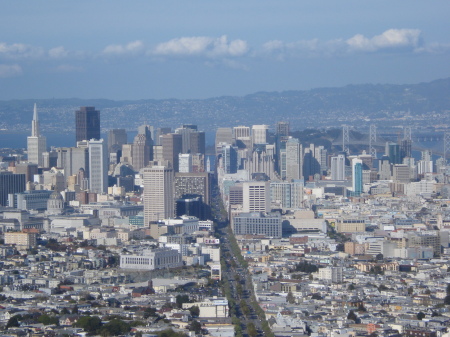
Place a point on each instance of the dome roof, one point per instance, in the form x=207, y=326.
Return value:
x=56, y=196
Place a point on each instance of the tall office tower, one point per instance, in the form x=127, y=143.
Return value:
x=401, y=173
x=338, y=167
x=260, y=134
x=256, y=196
x=36, y=144
x=321, y=155
x=159, y=202
x=198, y=142
x=425, y=165
x=294, y=160
x=87, y=123
x=198, y=162
x=385, y=169
x=142, y=148
x=159, y=132
x=116, y=138
x=127, y=154
x=185, y=162
x=171, y=147
x=185, y=132
x=223, y=136
x=262, y=161
x=50, y=159
x=71, y=159
x=193, y=184
x=392, y=150
x=141, y=152
x=10, y=183
x=242, y=137
x=406, y=148
x=357, y=176
x=282, y=129
x=98, y=166
x=229, y=159
x=311, y=166
x=288, y=195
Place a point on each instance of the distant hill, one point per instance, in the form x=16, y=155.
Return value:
x=421, y=105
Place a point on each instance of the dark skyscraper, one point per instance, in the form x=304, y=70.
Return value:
x=87, y=123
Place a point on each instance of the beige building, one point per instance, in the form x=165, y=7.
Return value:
x=21, y=239
x=159, y=202
x=215, y=307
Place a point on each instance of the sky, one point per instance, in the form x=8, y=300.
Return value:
x=199, y=49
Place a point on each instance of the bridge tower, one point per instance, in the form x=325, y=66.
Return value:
x=373, y=140
x=446, y=146
x=345, y=139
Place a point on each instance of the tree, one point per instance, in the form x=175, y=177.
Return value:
x=290, y=298
x=362, y=308
x=194, y=310
x=13, y=322
x=195, y=326
x=420, y=315
x=352, y=316
x=447, y=300
x=182, y=299
x=316, y=296
x=351, y=287
x=90, y=324
x=115, y=327
x=48, y=320
x=252, y=330
x=410, y=290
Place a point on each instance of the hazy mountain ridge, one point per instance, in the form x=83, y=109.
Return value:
x=320, y=107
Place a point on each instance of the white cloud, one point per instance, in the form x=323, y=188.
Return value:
x=20, y=50
x=131, y=48
x=392, y=38
x=58, y=52
x=10, y=70
x=202, y=46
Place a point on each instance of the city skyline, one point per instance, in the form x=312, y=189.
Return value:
x=159, y=50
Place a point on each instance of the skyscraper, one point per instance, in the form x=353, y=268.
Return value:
x=357, y=176
x=229, y=159
x=159, y=202
x=116, y=137
x=36, y=144
x=98, y=166
x=294, y=162
x=87, y=123
x=172, y=147
x=338, y=167
x=142, y=148
x=260, y=134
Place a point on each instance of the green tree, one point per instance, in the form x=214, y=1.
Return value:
x=290, y=298
x=194, y=310
x=13, y=322
x=48, y=320
x=352, y=316
x=195, y=326
x=251, y=329
x=90, y=324
x=420, y=315
x=182, y=299
x=115, y=327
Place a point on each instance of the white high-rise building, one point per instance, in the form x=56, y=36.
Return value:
x=185, y=162
x=159, y=201
x=98, y=166
x=36, y=144
x=294, y=160
x=256, y=196
x=338, y=167
x=259, y=134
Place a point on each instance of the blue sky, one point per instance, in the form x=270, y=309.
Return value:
x=199, y=49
